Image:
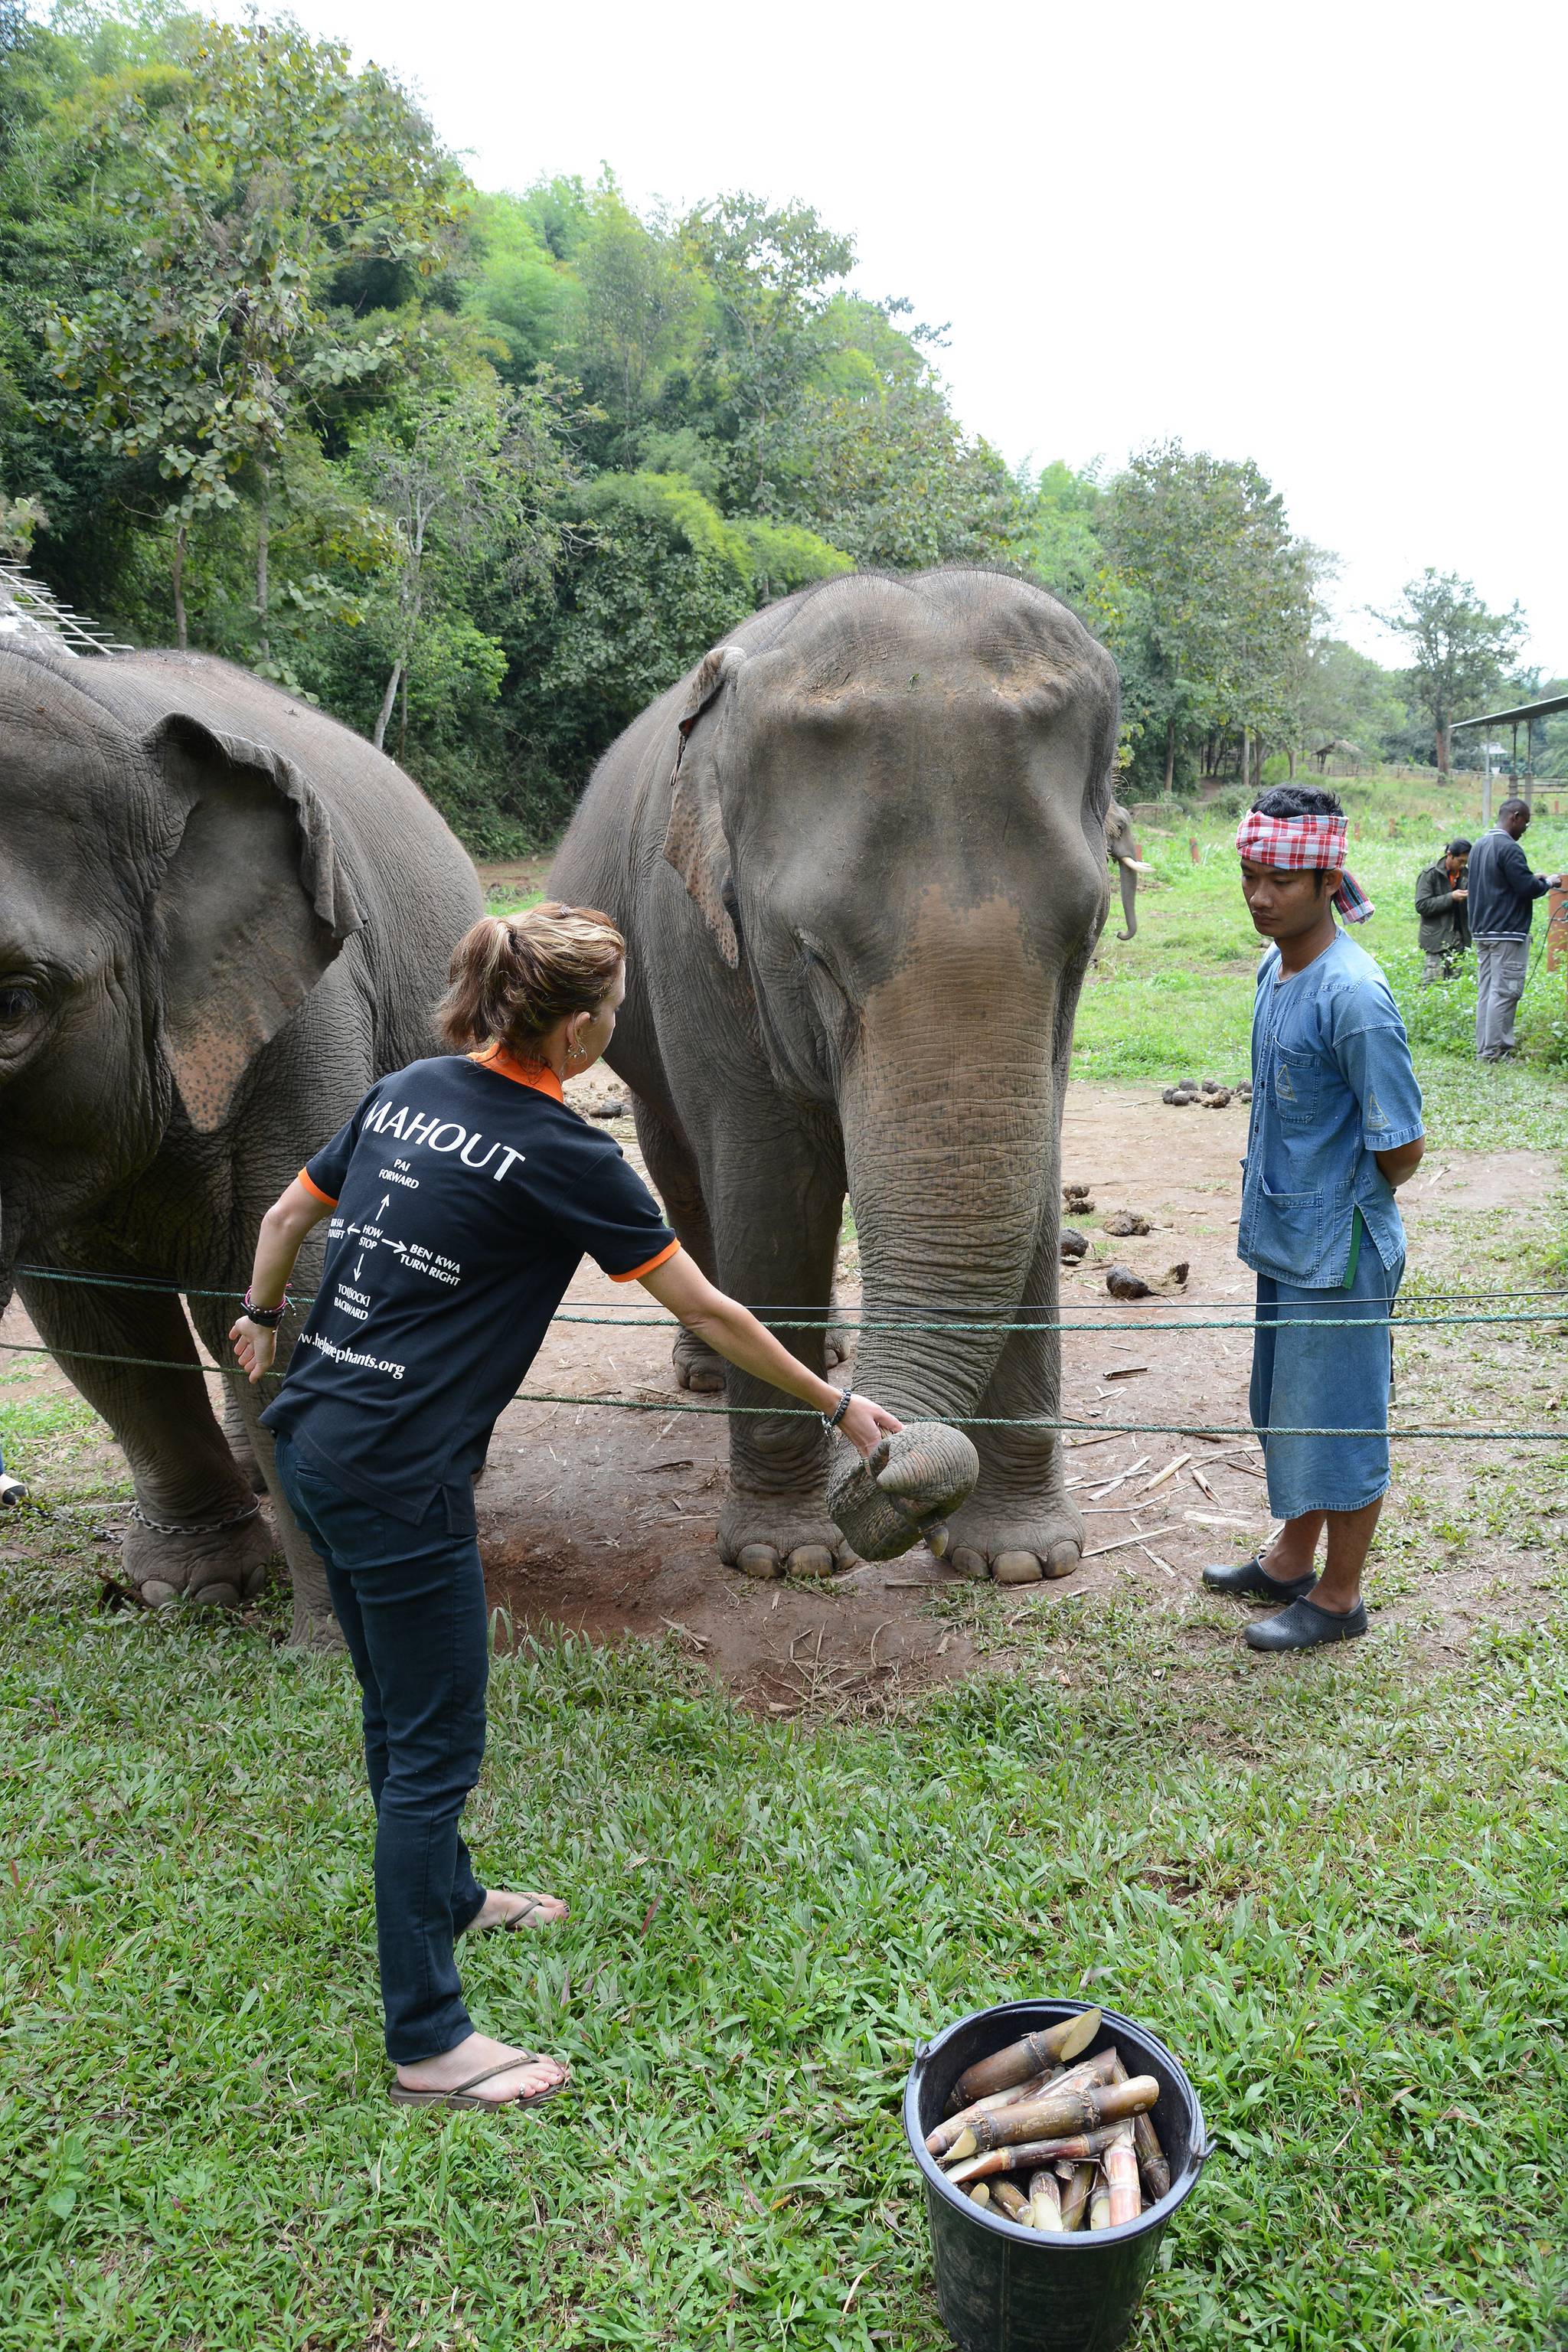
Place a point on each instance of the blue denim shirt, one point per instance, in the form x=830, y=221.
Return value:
x=1333, y=1084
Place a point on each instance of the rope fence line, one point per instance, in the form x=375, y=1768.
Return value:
x=820, y=1318
x=1454, y=1430
x=832, y=1313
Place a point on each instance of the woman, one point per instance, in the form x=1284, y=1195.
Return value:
x=463, y=1194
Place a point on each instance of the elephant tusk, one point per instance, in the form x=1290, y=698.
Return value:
x=1137, y=866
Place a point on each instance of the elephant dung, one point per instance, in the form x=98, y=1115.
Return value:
x=904, y=1491
x=1123, y=1222
x=1122, y=1282
x=1073, y=1245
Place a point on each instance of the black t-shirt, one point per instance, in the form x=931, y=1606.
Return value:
x=465, y=1194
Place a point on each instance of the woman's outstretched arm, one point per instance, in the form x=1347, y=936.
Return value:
x=278, y=1245
x=735, y=1332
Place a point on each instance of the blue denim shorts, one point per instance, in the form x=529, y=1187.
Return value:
x=1309, y=1374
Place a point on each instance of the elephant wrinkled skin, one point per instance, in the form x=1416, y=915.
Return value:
x=860, y=857
x=222, y=916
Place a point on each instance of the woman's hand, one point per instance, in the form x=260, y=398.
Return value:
x=254, y=1346
x=865, y=1424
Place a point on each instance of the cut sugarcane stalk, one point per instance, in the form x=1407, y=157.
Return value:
x=1054, y=2115
x=1012, y=2202
x=1032, y=2055
x=1120, y=2166
x=981, y=2193
x=1153, y=2168
x=1075, y=2197
x=1097, y=2069
x=1077, y=2146
x=1098, y=2207
x=1044, y=2201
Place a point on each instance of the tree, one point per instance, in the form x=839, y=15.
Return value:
x=772, y=270
x=246, y=182
x=1350, y=702
x=463, y=476
x=1219, y=591
x=638, y=305
x=1460, y=652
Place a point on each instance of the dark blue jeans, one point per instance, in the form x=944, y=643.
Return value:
x=411, y=1601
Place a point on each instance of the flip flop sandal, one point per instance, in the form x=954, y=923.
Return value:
x=404, y=2096
x=533, y=1905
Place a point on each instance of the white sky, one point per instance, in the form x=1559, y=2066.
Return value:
x=1310, y=235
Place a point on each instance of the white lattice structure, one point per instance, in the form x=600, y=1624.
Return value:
x=28, y=609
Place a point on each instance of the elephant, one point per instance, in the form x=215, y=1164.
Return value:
x=1122, y=846
x=859, y=858
x=223, y=915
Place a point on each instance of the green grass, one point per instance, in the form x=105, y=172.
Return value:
x=1337, y=1891
x=1176, y=1002
x=1335, y=1887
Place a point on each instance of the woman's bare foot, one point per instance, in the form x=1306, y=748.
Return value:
x=524, y=1909
x=453, y=2068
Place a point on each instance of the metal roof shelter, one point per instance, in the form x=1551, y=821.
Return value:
x=1527, y=711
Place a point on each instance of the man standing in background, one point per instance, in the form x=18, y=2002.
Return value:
x=1503, y=895
x=1440, y=901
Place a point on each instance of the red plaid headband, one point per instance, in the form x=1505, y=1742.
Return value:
x=1303, y=844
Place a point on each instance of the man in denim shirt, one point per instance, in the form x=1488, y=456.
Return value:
x=1336, y=1126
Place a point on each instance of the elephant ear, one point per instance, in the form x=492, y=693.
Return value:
x=252, y=908
x=695, y=842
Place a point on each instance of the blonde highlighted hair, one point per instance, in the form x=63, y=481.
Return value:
x=515, y=976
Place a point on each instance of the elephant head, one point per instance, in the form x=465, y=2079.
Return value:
x=170, y=893
x=1121, y=844
x=888, y=808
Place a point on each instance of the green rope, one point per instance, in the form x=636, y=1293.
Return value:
x=807, y=1413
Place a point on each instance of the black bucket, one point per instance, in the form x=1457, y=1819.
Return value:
x=1001, y=2287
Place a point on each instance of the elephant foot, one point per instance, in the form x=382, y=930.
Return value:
x=766, y=1536
x=1016, y=1548
x=213, y=1567
x=696, y=1366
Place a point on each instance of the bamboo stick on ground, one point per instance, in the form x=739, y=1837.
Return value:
x=1044, y=2201
x=1055, y=2115
x=1075, y=2197
x=1036, y=2051
x=1153, y=2168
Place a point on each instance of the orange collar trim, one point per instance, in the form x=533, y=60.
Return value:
x=543, y=1080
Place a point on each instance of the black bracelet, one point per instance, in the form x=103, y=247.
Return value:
x=833, y=1420
x=268, y=1318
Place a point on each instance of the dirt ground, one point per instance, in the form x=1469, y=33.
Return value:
x=602, y=1522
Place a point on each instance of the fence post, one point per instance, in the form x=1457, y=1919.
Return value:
x=1556, y=934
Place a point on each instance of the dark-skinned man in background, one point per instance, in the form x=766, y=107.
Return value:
x=1503, y=895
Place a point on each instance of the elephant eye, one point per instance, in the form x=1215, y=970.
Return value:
x=16, y=1003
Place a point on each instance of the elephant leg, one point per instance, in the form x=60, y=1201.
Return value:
x=199, y=1529
x=673, y=1168
x=776, y=1217
x=314, y=1626
x=1018, y=1524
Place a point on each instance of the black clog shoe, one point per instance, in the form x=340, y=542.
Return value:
x=1303, y=1625
x=1253, y=1581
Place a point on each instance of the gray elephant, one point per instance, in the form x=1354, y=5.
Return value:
x=222, y=916
x=1121, y=845
x=859, y=859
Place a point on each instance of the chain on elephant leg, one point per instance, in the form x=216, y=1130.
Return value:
x=215, y=1563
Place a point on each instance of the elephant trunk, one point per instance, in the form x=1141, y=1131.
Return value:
x=1129, y=879
x=954, y=1185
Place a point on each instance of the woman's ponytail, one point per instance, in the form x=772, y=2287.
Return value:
x=513, y=977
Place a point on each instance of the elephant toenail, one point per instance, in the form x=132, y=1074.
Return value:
x=1017, y=1568
x=759, y=1560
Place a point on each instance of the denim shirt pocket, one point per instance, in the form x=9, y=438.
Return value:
x=1296, y=1085
x=1286, y=1235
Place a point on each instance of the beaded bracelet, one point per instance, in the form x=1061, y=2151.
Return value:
x=831, y=1421
x=268, y=1318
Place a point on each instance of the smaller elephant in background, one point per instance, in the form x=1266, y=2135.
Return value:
x=1121, y=847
